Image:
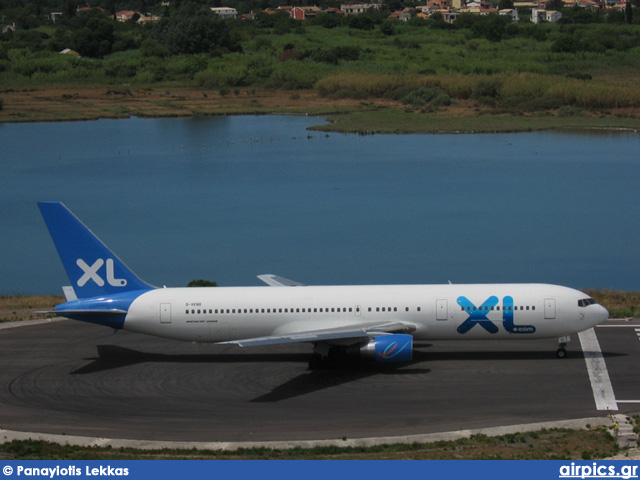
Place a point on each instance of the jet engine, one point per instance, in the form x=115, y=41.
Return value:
x=396, y=348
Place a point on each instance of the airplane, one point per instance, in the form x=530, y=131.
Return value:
x=379, y=322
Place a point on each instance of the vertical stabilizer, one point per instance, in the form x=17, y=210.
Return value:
x=92, y=268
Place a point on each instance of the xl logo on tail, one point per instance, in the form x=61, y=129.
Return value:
x=91, y=273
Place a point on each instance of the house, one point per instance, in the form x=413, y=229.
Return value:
x=526, y=4
x=303, y=13
x=7, y=28
x=510, y=12
x=402, y=15
x=541, y=16
x=478, y=8
x=53, y=16
x=356, y=8
x=225, y=12
x=149, y=18
x=125, y=15
x=587, y=4
x=68, y=51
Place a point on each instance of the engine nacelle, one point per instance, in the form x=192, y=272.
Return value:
x=389, y=348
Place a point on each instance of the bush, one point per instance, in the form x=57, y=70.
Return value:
x=525, y=104
x=119, y=69
x=571, y=111
x=487, y=88
x=152, y=48
x=202, y=283
x=224, y=77
x=294, y=76
x=422, y=96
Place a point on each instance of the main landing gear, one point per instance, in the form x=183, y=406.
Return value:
x=562, y=343
x=325, y=356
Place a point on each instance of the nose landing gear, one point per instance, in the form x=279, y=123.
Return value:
x=562, y=343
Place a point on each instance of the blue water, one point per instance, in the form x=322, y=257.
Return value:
x=228, y=198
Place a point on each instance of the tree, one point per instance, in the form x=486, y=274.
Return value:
x=555, y=5
x=494, y=27
x=202, y=33
x=505, y=4
x=628, y=13
x=202, y=283
x=361, y=21
x=95, y=39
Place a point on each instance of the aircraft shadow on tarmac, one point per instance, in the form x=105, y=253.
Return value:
x=112, y=357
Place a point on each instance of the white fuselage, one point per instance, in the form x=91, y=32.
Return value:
x=438, y=312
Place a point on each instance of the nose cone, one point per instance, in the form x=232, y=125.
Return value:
x=598, y=315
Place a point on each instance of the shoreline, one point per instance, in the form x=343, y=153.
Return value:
x=60, y=103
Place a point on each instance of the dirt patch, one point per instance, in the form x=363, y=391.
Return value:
x=63, y=103
x=20, y=307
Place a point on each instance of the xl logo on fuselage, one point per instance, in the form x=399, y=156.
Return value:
x=478, y=316
x=91, y=273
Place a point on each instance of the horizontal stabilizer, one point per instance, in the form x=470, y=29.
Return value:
x=69, y=293
x=276, y=281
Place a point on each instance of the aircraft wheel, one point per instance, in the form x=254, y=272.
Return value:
x=561, y=353
x=316, y=363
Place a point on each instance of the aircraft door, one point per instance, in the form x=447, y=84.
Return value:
x=549, y=308
x=165, y=313
x=442, y=312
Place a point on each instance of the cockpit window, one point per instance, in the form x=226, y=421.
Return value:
x=585, y=302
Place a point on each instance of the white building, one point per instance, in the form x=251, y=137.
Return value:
x=225, y=12
x=540, y=16
x=355, y=8
x=510, y=12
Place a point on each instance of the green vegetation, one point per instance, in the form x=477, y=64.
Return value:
x=619, y=304
x=202, y=283
x=21, y=307
x=556, y=444
x=586, y=66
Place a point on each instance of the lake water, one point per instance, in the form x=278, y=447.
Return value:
x=227, y=198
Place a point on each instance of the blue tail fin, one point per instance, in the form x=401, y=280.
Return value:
x=93, y=269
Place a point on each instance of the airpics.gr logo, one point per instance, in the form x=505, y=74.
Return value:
x=91, y=273
x=478, y=316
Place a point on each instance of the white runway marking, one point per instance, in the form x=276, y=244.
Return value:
x=617, y=326
x=598, y=374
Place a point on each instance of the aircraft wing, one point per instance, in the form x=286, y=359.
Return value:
x=357, y=331
x=276, y=281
